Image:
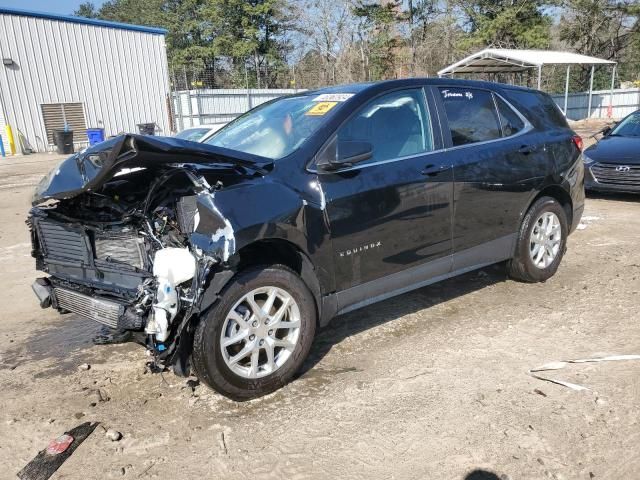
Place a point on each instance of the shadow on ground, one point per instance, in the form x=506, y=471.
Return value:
x=388, y=310
x=59, y=342
x=620, y=197
x=482, y=475
x=72, y=334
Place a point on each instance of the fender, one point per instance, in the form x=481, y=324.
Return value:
x=230, y=219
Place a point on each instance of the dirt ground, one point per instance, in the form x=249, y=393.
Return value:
x=430, y=385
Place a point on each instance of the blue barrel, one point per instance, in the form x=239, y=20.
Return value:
x=96, y=135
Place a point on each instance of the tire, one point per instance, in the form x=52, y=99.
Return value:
x=227, y=321
x=522, y=266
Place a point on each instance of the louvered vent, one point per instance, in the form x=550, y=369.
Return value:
x=56, y=115
x=59, y=241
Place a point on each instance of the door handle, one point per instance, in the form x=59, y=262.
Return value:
x=527, y=149
x=432, y=170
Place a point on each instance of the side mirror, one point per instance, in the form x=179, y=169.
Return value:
x=350, y=152
x=339, y=154
x=606, y=131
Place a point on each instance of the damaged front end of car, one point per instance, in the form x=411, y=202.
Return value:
x=130, y=235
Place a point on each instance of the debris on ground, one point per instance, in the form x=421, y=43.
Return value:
x=562, y=364
x=222, y=443
x=84, y=366
x=192, y=384
x=59, y=444
x=586, y=220
x=113, y=435
x=51, y=458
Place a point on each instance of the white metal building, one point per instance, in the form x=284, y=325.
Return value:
x=86, y=73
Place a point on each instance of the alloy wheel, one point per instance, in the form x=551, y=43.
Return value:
x=545, y=240
x=260, y=332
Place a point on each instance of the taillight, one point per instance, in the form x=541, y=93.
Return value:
x=577, y=141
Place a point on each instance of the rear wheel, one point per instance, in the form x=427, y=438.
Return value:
x=541, y=243
x=256, y=338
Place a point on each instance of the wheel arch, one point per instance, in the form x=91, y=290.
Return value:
x=560, y=195
x=273, y=251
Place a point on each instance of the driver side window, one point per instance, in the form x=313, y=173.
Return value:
x=396, y=125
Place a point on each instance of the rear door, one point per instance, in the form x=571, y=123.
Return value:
x=393, y=211
x=498, y=161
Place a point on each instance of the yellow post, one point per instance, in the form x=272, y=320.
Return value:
x=12, y=143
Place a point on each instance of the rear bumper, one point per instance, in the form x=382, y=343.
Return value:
x=577, y=216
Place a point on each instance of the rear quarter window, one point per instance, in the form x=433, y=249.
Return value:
x=511, y=122
x=539, y=108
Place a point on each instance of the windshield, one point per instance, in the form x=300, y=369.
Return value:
x=193, y=134
x=278, y=128
x=629, y=127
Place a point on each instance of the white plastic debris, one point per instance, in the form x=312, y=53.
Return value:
x=610, y=358
x=562, y=364
x=113, y=435
x=586, y=220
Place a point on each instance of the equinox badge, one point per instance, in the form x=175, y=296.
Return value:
x=362, y=248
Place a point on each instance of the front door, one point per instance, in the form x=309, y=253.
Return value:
x=393, y=211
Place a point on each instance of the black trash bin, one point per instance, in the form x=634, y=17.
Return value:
x=64, y=141
x=147, y=128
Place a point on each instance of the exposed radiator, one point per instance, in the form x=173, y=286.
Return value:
x=121, y=246
x=99, y=310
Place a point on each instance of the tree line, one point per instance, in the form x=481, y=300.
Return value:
x=312, y=43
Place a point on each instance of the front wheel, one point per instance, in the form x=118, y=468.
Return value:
x=542, y=241
x=257, y=336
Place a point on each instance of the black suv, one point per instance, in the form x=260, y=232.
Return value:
x=227, y=256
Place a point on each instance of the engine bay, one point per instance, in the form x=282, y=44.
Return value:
x=123, y=255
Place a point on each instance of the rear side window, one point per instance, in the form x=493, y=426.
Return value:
x=552, y=110
x=471, y=115
x=511, y=122
x=538, y=107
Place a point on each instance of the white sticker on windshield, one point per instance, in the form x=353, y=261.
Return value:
x=333, y=97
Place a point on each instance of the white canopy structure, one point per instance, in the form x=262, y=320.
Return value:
x=498, y=60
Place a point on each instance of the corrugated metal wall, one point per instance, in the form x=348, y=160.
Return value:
x=119, y=75
x=207, y=106
x=625, y=101
x=3, y=131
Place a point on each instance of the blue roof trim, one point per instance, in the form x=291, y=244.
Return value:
x=82, y=20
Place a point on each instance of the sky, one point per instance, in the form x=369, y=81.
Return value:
x=65, y=7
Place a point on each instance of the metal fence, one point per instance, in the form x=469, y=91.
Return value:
x=191, y=108
x=208, y=106
x=604, y=104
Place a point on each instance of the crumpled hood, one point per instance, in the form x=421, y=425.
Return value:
x=93, y=167
x=618, y=150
